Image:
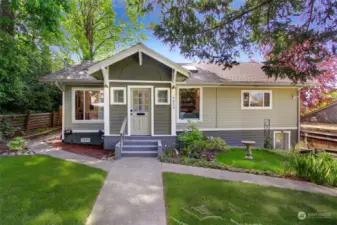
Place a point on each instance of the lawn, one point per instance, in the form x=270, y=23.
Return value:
x=197, y=200
x=36, y=190
x=263, y=159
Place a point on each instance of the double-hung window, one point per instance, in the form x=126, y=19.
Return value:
x=88, y=105
x=118, y=95
x=163, y=96
x=256, y=99
x=189, y=104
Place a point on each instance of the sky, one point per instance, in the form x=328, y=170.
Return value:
x=155, y=44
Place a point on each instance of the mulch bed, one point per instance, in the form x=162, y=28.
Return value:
x=87, y=150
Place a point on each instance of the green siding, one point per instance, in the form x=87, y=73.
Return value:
x=180, y=77
x=68, y=124
x=129, y=69
x=222, y=109
x=162, y=113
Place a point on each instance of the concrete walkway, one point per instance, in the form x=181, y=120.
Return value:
x=249, y=178
x=132, y=194
x=133, y=190
x=39, y=146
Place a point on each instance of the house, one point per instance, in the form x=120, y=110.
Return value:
x=326, y=114
x=149, y=98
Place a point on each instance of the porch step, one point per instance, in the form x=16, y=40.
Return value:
x=140, y=142
x=140, y=148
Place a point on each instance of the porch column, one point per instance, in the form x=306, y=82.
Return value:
x=106, y=89
x=173, y=103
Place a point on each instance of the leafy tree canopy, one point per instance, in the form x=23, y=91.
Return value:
x=28, y=29
x=294, y=35
x=94, y=31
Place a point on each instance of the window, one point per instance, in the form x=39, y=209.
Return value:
x=282, y=140
x=256, y=99
x=88, y=105
x=162, y=96
x=189, y=104
x=118, y=96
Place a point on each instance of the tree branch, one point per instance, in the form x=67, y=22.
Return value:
x=236, y=17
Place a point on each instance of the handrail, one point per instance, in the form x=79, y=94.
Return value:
x=122, y=131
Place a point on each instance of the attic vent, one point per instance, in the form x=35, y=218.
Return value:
x=193, y=69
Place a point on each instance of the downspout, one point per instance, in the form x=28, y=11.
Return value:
x=299, y=116
x=61, y=87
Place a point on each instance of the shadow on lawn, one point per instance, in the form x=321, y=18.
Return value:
x=45, y=190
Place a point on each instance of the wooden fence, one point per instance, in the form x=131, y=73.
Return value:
x=31, y=121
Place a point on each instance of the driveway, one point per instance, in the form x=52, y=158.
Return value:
x=132, y=194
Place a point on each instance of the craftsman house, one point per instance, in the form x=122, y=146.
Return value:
x=140, y=94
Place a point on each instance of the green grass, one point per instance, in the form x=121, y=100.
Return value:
x=262, y=159
x=36, y=190
x=197, y=200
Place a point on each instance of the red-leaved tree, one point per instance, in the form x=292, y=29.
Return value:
x=319, y=93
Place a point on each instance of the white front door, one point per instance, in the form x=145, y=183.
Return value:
x=140, y=111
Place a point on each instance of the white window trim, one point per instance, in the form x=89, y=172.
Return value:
x=201, y=105
x=279, y=131
x=73, y=90
x=112, y=89
x=258, y=108
x=168, y=96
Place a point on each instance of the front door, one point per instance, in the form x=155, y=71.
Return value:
x=140, y=111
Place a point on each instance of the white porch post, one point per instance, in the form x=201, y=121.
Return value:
x=106, y=89
x=63, y=110
x=173, y=103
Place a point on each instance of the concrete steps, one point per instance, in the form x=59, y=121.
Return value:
x=139, y=146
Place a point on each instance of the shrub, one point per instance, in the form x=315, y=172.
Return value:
x=268, y=143
x=189, y=136
x=216, y=143
x=320, y=168
x=18, y=144
x=7, y=130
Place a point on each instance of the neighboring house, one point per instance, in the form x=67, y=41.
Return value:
x=327, y=114
x=155, y=98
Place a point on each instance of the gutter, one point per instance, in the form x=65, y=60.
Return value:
x=244, y=84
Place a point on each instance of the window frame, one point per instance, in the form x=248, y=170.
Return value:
x=112, y=95
x=168, y=96
x=201, y=104
x=257, y=108
x=74, y=120
x=284, y=132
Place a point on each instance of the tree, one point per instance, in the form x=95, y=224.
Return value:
x=94, y=30
x=322, y=92
x=27, y=30
x=218, y=30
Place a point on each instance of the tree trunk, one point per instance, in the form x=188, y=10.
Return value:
x=6, y=12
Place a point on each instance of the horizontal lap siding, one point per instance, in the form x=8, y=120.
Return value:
x=162, y=119
x=162, y=113
x=230, y=114
x=222, y=109
x=209, y=110
x=68, y=124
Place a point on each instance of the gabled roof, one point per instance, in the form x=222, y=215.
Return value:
x=138, y=48
x=82, y=71
x=244, y=73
